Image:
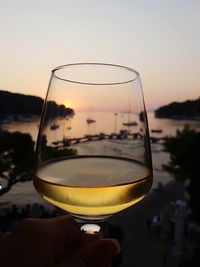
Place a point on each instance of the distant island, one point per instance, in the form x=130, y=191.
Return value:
x=188, y=110
x=17, y=105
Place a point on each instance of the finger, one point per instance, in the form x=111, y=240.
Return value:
x=67, y=230
x=62, y=229
x=97, y=253
x=58, y=235
x=107, y=264
x=67, y=237
x=87, y=238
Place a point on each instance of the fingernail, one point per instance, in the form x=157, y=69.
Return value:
x=117, y=245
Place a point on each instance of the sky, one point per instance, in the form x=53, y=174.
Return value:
x=158, y=38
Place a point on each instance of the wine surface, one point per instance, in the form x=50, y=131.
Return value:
x=93, y=187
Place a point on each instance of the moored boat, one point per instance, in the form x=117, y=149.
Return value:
x=89, y=120
x=157, y=130
x=130, y=123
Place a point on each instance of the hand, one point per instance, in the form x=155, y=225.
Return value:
x=55, y=242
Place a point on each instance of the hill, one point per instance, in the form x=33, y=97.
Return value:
x=189, y=109
x=17, y=105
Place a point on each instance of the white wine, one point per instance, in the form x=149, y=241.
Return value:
x=93, y=187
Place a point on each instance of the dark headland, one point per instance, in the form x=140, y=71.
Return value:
x=188, y=110
x=16, y=105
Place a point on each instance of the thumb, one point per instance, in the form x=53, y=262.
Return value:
x=93, y=254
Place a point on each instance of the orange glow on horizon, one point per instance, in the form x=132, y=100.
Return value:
x=68, y=103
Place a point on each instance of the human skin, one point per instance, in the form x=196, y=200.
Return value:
x=56, y=242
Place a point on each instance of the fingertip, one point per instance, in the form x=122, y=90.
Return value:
x=87, y=238
x=100, y=251
x=97, y=253
x=112, y=246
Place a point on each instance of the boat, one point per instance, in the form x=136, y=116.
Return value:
x=157, y=130
x=54, y=127
x=130, y=123
x=89, y=121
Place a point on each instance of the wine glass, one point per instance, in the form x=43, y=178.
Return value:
x=93, y=147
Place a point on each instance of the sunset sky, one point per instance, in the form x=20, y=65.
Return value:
x=158, y=38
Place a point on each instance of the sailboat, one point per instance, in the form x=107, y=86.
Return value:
x=157, y=130
x=89, y=120
x=130, y=123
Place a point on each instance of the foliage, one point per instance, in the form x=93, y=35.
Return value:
x=188, y=109
x=16, y=159
x=184, y=163
x=16, y=104
x=48, y=153
x=19, y=104
x=54, y=110
x=184, y=151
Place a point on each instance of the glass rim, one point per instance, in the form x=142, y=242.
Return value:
x=131, y=70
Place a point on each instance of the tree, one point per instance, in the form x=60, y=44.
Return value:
x=184, y=163
x=16, y=159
